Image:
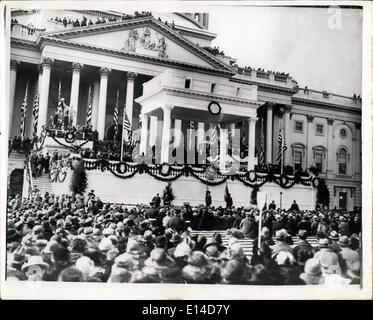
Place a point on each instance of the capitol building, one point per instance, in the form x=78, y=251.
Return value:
x=165, y=71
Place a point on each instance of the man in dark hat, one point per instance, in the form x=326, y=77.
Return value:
x=157, y=200
x=208, y=198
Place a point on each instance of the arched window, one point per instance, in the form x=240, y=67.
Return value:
x=342, y=161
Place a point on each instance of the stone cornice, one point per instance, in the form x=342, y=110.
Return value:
x=329, y=106
x=210, y=96
x=131, y=55
x=143, y=21
x=24, y=43
x=267, y=87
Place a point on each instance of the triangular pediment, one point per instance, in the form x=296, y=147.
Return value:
x=144, y=38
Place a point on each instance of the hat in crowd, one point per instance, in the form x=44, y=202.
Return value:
x=105, y=244
x=148, y=237
x=312, y=272
x=334, y=235
x=12, y=235
x=323, y=243
x=211, y=242
x=233, y=271
x=198, y=259
x=212, y=251
x=285, y=258
x=125, y=260
x=35, y=261
x=158, y=258
x=18, y=257
x=61, y=254
x=50, y=247
x=132, y=245
x=182, y=250
x=175, y=238
x=170, y=275
x=236, y=251
x=85, y=265
x=160, y=241
x=281, y=234
x=119, y=275
x=344, y=241
x=302, y=233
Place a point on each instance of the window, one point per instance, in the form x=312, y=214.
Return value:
x=298, y=126
x=319, y=129
x=238, y=92
x=343, y=133
x=213, y=85
x=342, y=161
x=298, y=160
x=187, y=83
x=318, y=161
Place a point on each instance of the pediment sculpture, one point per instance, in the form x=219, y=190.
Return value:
x=145, y=42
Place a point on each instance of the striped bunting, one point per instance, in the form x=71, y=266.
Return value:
x=282, y=146
x=262, y=145
x=23, y=114
x=115, y=117
x=35, y=113
x=89, y=107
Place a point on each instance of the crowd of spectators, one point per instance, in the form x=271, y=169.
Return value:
x=79, y=238
x=68, y=22
x=215, y=50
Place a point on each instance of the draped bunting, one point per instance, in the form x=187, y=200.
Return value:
x=168, y=173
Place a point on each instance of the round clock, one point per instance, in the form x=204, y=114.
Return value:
x=214, y=108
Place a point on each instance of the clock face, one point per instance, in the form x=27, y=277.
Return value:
x=214, y=108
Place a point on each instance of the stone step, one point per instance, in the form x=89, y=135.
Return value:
x=246, y=244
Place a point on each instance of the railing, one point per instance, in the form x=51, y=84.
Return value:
x=25, y=32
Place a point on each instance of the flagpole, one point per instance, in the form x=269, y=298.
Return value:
x=123, y=132
x=24, y=110
x=282, y=151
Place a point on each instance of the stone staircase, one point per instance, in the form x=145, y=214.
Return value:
x=43, y=183
x=246, y=244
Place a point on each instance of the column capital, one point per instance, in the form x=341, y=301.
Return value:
x=330, y=121
x=253, y=119
x=40, y=69
x=309, y=117
x=14, y=64
x=104, y=71
x=167, y=107
x=131, y=75
x=77, y=67
x=46, y=62
x=270, y=104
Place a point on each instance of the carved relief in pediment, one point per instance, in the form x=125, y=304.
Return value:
x=146, y=41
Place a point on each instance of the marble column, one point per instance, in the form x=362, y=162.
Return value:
x=269, y=134
x=358, y=149
x=310, y=133
x=166, y=134
x=251, y=150
x=95, y=99
x=74, y=96
x=153, y=130
x=101, y=115
x=287, y=128
x=13, y=78
x=46, y=64
x=200, y=133
x=36, y=92
x=144, y=133
x=129, y=95
x=329, y=168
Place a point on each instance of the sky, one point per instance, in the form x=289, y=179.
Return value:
x=298, y=41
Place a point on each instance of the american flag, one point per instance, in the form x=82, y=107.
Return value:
x=59, y=92
x=89, y=107
x=35, y=113
x=127, y=132
x=281, y=146
x=262, y=145
x=115, y=117
x=215, y=134
x=191, y=133
x=23, y=114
